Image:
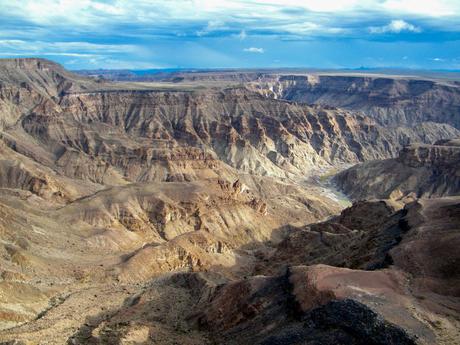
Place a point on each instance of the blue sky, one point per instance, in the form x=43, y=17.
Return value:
x=141, y=34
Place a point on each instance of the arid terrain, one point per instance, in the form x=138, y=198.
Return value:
x=236, y=207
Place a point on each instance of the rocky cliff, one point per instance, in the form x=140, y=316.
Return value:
x=418, y=171
x=146, y=135
x=390, y=101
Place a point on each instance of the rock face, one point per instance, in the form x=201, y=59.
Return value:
x=359, y=238
x=278, y=303
x=198, y=210
x=419, y=171
x=151, y=135
x=322, y=304
x=28, y=83
x=390, y=101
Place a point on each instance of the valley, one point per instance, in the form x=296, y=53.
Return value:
x=238, y=207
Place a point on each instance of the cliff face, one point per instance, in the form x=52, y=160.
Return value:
x=29, y=83
x=390, y=101
x=148, y=135
x=418, y=171
x=443, y=154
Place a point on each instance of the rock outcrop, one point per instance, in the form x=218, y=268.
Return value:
x=409, y=302
x=419, y=171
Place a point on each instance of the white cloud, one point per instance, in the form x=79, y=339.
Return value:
x=395, y=26
x=213, y=25
x=34, y=53
x=242, y=35
x=159, y=30
x=60, y=48
x=89, y=52
x=254, y=50
x=430, y=8
x=201, y=17
x=44, y=9
x=309, y=28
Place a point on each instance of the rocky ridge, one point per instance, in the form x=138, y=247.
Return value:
x=418, y=171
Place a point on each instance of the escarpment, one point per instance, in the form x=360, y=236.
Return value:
x=149, y=135
x=418, y=171
x=390, y=101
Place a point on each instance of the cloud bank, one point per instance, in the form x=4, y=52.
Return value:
x=395, y=26
x=210, y=33
x=254, y=50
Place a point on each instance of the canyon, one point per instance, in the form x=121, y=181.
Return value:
x=228, y=207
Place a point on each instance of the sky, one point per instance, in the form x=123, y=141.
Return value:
x=142, y=34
